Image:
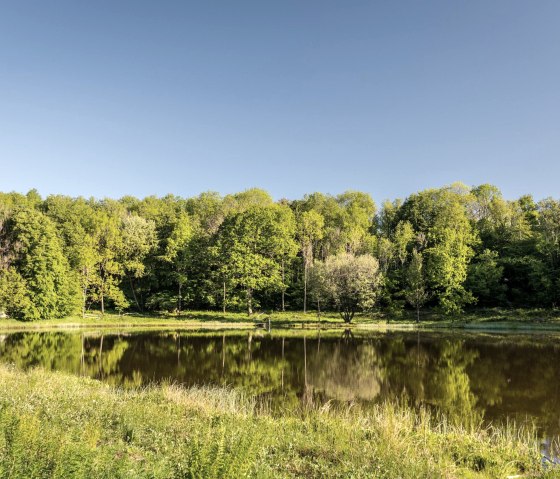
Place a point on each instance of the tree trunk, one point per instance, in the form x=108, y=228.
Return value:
x=283, y=288
x=305, y=287
x=102, y=277
x=84, y=299
x=179, y=304
x=224, y=299
x=134, y=293
x=417, y=313
x=249, y=301
x=347, y=315
x=85, y=277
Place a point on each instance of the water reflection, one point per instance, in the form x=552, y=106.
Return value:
x=467, y=376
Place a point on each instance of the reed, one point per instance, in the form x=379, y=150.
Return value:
x=62, y=426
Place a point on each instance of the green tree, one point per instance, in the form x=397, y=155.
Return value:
x=108, y=269
x=548, y=247
x=39, y=278
x=309, y=232
x=350, y=282
x=415, y=291
x=286, y=246
x=440, y=217
x=485, y=278
x=250, y=245
x=138, y=240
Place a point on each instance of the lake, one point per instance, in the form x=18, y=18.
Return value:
x=491, y=376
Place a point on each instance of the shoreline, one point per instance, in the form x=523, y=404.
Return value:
x=483, y=320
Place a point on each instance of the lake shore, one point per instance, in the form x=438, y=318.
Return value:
x=482, y=319
x=62, y=425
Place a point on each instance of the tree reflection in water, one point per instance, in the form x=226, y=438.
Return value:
x=467, y=376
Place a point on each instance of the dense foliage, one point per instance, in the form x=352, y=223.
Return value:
x=446, y=248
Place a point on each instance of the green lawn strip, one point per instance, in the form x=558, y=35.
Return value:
x=495, y=318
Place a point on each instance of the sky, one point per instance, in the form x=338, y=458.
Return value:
x=146, y=98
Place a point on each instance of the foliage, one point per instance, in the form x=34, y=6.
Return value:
x=38, y=284
x=485, y=278
x=246, y=251
x=415, y=291
x=251, y=243
x=349, y=282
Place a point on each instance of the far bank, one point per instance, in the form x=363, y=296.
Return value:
x=483, y=319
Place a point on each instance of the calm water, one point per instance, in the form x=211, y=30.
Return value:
x=482, y=375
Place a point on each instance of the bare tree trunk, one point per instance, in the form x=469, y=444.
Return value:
x=134, y=293
x=179, y=303
x=305, y=287
x=85, y=276
x=249, y=301
x=417, y=313
x=102, y=290
x=224, y=298
x=283, y=288
x=84, y=299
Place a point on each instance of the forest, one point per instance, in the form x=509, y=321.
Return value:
x=447, y=249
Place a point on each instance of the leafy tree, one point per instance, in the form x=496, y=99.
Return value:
x=548, y=247
x=350, y=282
x=138, y=240
x=440, y=217
x=286, y=247
x=485, y=278
x=176, y=254
x=108, y=269
x=415, y=291
x=250, y=245
x=245, y=249
x=38, y=284
x=357, y=216
x=310, y=231
x=78, y=222
x=14, y=298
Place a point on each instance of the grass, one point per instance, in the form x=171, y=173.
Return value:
x=62, y=426
x=481, y=318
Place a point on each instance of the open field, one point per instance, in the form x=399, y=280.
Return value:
x=494, y=318
x=58, y=425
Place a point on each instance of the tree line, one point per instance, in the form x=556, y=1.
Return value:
x=446, y=248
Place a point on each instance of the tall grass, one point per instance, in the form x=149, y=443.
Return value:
x=57, y=425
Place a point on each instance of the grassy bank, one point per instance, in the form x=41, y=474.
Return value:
x=57, y=425
x=494, y=318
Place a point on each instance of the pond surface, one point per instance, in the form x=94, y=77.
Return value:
x=466, y=375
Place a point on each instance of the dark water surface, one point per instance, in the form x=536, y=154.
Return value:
x=482, y=375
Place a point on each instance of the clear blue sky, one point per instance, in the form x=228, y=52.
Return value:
x=108, y=98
